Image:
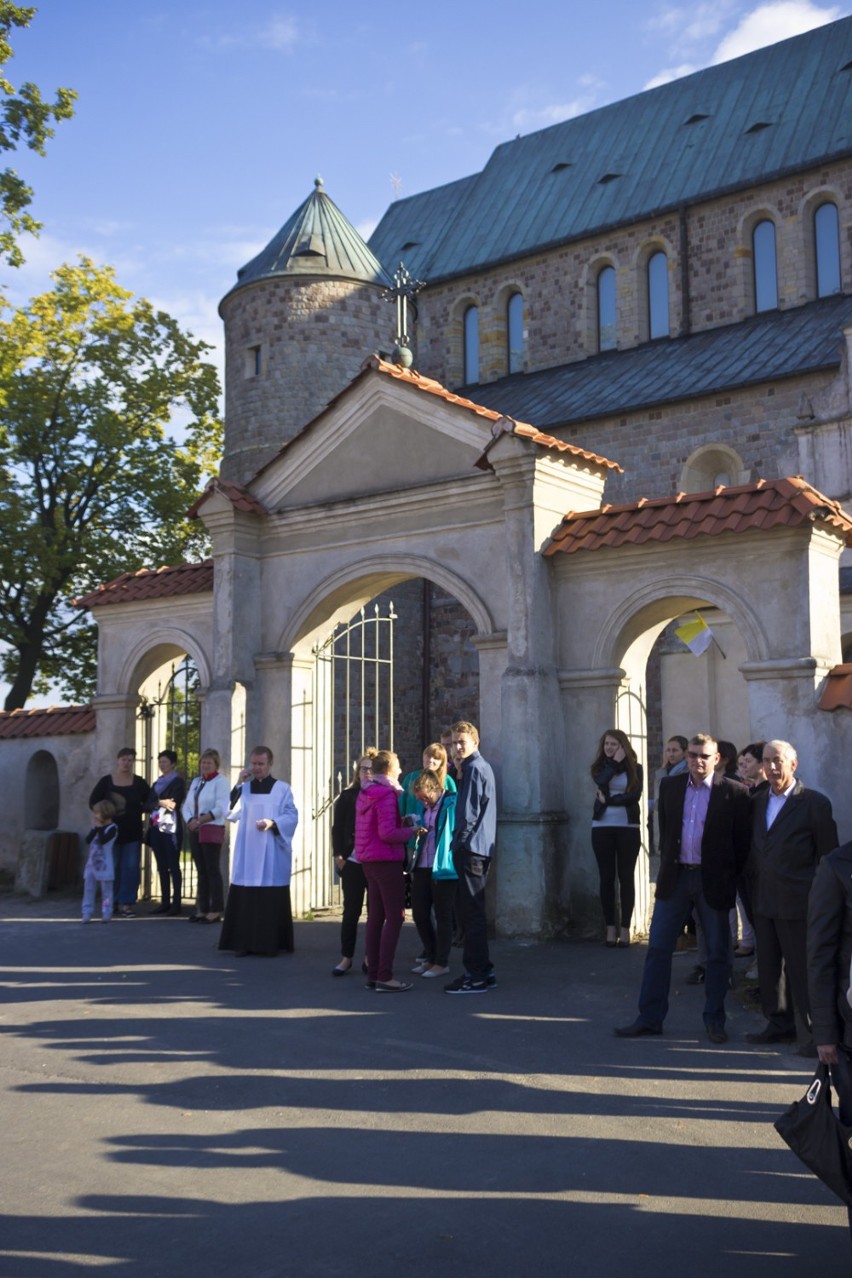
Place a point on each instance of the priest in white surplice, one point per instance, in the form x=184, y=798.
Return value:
x=258, y=917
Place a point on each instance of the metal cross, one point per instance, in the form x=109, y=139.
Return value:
x=405, y=289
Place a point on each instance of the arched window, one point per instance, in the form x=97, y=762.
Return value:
x=765, y=268
x=606, y=309
x=515, y=350
x=658, y=295
x=471, y=345
x=827, y=249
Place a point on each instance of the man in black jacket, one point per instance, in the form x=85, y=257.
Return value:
x=829, y=951
x=704, y=841
x=792, y=828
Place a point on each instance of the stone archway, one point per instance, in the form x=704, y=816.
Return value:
x=765, y=555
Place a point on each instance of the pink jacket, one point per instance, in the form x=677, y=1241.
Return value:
x=379, y=834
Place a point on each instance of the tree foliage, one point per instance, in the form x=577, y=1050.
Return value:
x=93, y=482
x=25, y=119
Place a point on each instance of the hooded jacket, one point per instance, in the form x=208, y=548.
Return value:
x=379, y=832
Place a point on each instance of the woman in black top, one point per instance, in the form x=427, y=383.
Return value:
x=165, y=832
x=352, y=879
x=616, y=834
x=129, y=793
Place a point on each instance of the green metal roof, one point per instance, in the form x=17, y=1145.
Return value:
x=316, y=241
x=766, y=348
x=779, y=110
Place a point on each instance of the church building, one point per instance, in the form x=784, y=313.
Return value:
x=484, y=466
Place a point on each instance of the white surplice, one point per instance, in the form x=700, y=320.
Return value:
x=263, y=858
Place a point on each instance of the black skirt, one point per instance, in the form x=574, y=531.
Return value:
x=258, y=920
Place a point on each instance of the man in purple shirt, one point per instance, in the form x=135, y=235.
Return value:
x=705, y=830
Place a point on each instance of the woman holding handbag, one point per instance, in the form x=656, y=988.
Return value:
x=204, y=813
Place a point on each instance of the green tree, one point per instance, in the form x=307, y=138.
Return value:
x=25, y=118
x=93, y=481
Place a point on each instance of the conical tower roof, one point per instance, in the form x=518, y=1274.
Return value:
x=316, y=241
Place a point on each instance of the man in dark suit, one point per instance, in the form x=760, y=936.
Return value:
x=792, y=828
x=704, y=840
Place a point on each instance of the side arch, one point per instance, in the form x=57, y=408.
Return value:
x=155, y=649
x=657, y=603
x=341, y=593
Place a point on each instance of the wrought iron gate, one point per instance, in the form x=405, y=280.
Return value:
x=351, y=708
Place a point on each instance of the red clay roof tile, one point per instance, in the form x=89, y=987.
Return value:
x=837, y=692
x=239, y=497
x=53, y=721
x=152, y=583
x=428, y=386
x=774, y=503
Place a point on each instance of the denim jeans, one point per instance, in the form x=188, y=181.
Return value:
x=128, y=858
x=666, y=925
x=90, y=887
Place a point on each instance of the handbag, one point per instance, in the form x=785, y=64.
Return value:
x=816, y=1135
x=210, y=833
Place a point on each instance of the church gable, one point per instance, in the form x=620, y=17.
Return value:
x=390, y=429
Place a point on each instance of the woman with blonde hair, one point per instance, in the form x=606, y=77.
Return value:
x=380, y=839
x=616, y=836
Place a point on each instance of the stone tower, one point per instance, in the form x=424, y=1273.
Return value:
x=299, y=323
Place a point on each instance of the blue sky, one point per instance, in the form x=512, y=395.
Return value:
x=200, y=126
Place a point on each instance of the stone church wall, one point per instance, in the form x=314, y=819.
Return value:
x=559, y=286
x=291, y=345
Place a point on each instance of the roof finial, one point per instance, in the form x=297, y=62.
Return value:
x=318, y=182
x=405, y=289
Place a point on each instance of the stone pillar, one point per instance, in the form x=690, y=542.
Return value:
x=533, y=829
x=115, y=720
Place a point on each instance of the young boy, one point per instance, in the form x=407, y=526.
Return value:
x=99, y=866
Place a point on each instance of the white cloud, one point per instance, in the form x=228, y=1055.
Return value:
x=529, y=119
x=365, y=229
x=683, y=28
x=280, y=32
x=770, y=23
x=670, y=73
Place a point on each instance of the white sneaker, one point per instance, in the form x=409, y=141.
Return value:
x=435, y=971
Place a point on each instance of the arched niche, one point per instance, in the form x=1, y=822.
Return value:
x=41, y=792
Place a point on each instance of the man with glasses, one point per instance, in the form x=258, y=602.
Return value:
x=793, y=828
x=705, y=828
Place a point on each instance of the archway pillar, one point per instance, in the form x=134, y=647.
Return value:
x=216, y=727
x=536, y=491
x=115, y=720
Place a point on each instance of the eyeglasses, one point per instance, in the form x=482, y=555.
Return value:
x=693, y=754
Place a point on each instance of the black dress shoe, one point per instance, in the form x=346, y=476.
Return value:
x=770, y=1035
x=636, y=1030
x=161, y=909
x=717, y=1034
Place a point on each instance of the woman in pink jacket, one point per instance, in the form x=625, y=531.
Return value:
x=380, y=839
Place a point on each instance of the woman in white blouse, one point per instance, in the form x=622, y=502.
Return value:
x=204, y=813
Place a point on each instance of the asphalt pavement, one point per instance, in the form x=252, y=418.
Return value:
x=170, y=1110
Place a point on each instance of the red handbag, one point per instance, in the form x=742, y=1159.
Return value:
x=210, y=833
